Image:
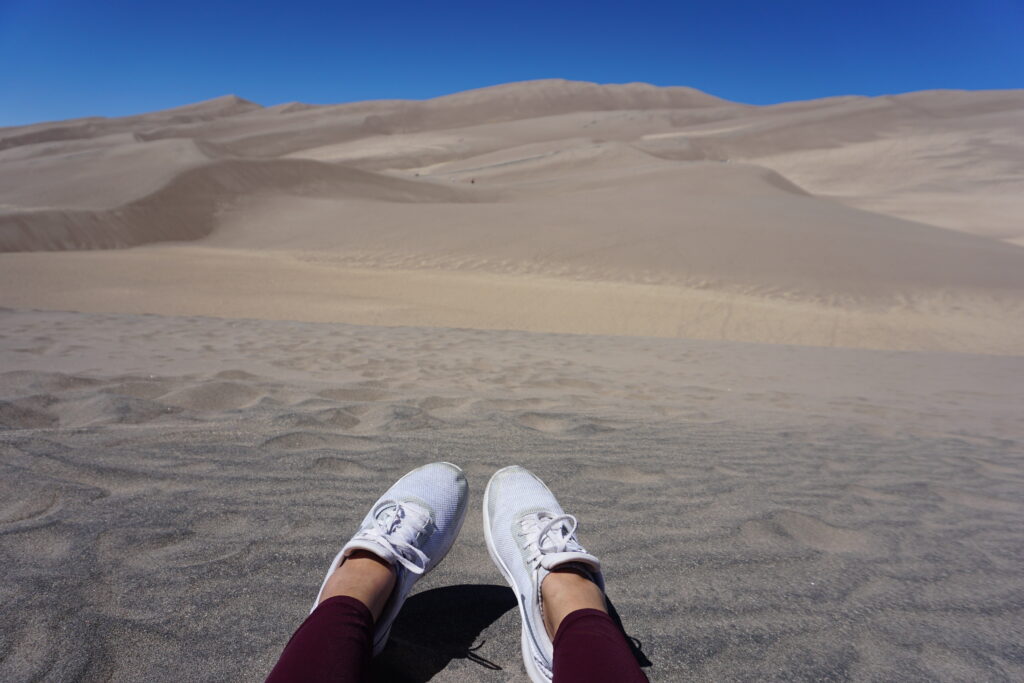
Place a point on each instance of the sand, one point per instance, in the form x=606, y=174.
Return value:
x=770, y=356
x=174, y=488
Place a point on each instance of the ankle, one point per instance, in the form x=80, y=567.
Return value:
x=365, y=577
x=565, y=590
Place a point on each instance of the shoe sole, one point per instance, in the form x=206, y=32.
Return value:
x=535, y=674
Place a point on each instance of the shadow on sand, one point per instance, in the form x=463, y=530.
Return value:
x=437, y=626
x=442, y=624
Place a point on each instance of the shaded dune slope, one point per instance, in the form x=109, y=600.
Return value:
x=186, y=208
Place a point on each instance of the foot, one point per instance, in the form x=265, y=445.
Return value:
x=410, y=528
x=532, y=540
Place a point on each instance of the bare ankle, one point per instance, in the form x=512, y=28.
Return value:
x=566, y=590
x=365, y=577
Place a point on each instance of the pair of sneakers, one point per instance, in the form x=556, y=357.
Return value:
x=414, y=524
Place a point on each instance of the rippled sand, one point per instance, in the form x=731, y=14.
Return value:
x=173, y=489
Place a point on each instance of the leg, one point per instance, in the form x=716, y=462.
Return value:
x=588, y=645
x=406, y=533
x=335, y=643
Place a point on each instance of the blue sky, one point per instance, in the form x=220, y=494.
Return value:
x=63, y=58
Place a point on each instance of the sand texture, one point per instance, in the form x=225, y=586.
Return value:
x=888, y=222
x=173, y=489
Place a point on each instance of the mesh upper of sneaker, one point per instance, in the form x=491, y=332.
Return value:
x=424, y=507
x=413, y=526
x=532, y=534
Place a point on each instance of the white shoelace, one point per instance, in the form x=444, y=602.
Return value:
x=397, y=532
x=540, y=539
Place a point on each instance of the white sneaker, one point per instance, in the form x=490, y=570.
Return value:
x=528, y=535
x=412, y=527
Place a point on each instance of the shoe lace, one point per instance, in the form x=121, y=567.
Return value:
x=397, y=528
x=547, y=533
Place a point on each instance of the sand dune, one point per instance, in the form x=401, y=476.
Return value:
x=756, y=232
x=901, y=203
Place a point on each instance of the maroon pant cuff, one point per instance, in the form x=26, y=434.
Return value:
x=590, y=647
x=334, y=643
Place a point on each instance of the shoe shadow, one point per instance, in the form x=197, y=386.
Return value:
x=442, y=624
x=437, y=626
x=635, y=646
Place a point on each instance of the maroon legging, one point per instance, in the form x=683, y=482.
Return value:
x=335, y=643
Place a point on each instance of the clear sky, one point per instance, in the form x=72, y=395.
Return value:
x=67, y=58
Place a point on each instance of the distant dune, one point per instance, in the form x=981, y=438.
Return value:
x=900, y=203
